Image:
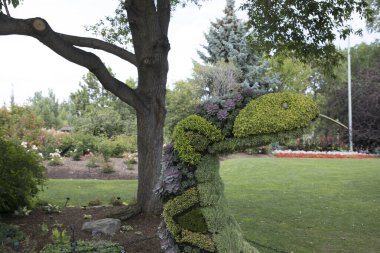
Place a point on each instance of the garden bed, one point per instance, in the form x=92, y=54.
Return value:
x=320, y=154
x=142, y=239
x=79, y=170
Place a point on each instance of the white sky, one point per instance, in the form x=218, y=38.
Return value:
x=27, y=66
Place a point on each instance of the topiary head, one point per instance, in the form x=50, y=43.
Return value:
x=274, y=113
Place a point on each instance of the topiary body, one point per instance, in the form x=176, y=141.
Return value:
x=196, y=216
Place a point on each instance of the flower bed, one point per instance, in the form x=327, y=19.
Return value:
x=320, y=154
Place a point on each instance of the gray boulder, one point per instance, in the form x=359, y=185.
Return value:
x=106, y=226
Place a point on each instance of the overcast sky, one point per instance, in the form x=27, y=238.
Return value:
x=27, y=66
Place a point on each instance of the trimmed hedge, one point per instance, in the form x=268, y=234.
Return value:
x=273, y=113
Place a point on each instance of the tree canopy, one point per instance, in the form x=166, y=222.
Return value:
x=305, y=29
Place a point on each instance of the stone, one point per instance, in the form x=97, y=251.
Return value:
x=106, y=226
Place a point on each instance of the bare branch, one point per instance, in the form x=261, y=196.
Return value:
x=102, y=45
x=6, y=7
x=40, y=29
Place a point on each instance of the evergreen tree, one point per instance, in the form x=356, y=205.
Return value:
x=226, y=41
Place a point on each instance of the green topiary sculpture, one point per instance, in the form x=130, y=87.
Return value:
x=196, y=216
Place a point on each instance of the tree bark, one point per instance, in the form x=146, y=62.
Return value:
x=149, y=26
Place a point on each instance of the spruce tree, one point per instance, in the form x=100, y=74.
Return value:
x=226, y=41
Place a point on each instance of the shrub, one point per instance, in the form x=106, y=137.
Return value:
x=92, y=162
x=105, y=148
x=55, y=158
x=108, y=167
x=21, y=174
x=51, y=140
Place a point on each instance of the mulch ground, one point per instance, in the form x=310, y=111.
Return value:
x=142, y=239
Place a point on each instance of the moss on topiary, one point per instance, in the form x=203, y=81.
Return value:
x=193, y=220
x=274, y=113
x=176, y=206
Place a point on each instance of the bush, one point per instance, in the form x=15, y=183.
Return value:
x=51, y=140
x=21, y=172
x=117, y=146
x=108, y=167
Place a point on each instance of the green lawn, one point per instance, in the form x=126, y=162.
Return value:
x=295, y=205
x=307, y=205
x=81, y=192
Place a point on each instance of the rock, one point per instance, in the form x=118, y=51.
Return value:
x=106, y=226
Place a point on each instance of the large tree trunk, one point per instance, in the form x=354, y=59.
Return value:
x=149, y=26
x=150, y=140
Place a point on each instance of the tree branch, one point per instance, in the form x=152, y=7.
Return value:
x=163, y=9
x=6, y=7
x=40, y=29
x=99, y=44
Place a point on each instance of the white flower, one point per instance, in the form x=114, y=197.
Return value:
x=41, y=155
x=24, y=144
x=34, y=147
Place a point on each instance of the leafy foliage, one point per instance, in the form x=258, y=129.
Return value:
x=218, y=79
x=374, y=24
x=183, y=142
x=365, y=101
x=294, y=75
x=47, y=108
x=21, y=124
x=10, y=232
x=100, y=112
x=274, y=113
x=365, y=94
x=21, y=172
x=180, y=103
x=303, y=28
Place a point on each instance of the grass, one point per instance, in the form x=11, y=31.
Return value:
x=295, y=205
x=81, y=192
x=306, y=205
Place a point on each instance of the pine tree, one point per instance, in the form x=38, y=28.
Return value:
x=226, y=41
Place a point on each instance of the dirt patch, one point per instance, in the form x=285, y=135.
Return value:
x=142, y=239
x=79, y=170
